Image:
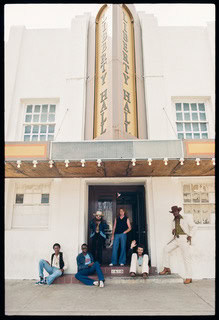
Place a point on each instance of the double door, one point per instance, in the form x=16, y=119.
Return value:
x=109, y=200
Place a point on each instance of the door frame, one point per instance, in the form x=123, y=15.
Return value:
x=120, y=187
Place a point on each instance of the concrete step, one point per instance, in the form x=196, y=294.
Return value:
x=172, y=278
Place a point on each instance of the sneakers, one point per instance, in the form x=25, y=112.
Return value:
x=121, y=264
x=96, y=283
x=110, y=264
x=41, y=282
x=101, y=284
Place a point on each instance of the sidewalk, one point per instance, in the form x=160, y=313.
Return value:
x=23, y=297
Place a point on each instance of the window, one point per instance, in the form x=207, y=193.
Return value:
x=31, y=206
x=191, y=121
x=19, y=198
x=39, y=122
x=199, y=200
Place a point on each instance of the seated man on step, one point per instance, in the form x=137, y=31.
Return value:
x=87, y=266
x=139, y=261
x=55, y=269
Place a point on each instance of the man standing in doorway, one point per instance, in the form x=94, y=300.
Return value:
x=183, y=228
x=87, y=266
x=55, y=269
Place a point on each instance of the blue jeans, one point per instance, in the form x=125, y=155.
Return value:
x=53, y=271
x=119, y=237
x=82, y=275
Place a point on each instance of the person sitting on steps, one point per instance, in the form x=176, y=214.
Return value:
x=87, y=266
x=139, y=261
x=55, y=269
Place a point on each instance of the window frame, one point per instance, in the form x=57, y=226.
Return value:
x=25, y=103
x=190, y=181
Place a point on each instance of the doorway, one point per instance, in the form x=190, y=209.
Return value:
x=109, y=199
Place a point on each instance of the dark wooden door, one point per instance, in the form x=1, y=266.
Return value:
x=109, y=199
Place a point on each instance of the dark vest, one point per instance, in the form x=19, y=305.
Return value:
x=61, y=262
x=121, y=225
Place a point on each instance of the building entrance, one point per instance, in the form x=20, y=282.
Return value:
x=109, y=199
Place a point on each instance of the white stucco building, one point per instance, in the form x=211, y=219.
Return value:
x=51, y=115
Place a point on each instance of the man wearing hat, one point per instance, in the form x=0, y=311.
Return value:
x=183, y=229
x=97, y=235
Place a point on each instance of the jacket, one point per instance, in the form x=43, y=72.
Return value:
x=81, y=261
x=103, y=225
x=187, y=224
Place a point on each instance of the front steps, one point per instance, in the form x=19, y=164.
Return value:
x=117, y=274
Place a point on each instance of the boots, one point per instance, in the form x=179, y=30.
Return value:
x=187, y=281
x=165, y=271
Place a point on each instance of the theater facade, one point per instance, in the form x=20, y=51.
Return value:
x=115, y=111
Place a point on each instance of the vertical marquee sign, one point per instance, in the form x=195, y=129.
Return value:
x=101, y=77
x=129, y=88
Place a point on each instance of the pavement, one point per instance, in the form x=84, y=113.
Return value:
x=23, y=297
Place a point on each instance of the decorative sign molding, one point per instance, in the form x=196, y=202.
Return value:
x=101, y=77
x=26, y=151
x=129, y=85
x=199, y=148
x=114, y=271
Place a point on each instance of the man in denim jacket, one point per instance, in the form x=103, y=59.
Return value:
x=97, y=235
x=87, y=266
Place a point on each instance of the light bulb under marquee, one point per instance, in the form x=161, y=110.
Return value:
x=18, y=163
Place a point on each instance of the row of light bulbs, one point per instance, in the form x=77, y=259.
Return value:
x=165, y=160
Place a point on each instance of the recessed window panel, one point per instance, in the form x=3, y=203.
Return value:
x=36, y=118
x=51, y=117
x=52, y=108
x=188, y=135
x=35, y=129
x=188, y=126
x=50, y=137
x=194, y=106
x=203, y=126
x=51, y=128
x=42, y=137
x=179, y=116
x=204, y=136
x=43, y=117
x=37, y=108
x=201, y=107
x=26, y=137
x=194, y=116
x=187, y=116
x=180, y=136
x=178, y=107
x=202, y=116
x=28, y=118
x=29, y=109
x=196, y=135
x=45, y=108
x=19, y=198
x=34, y=137
x=43, y=129
x=195, y=126
x=27, y=129
x=45, y=198
x=185, y=106
x=179, y=126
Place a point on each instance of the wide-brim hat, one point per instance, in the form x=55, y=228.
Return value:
x=99, y=213
x=175, y=208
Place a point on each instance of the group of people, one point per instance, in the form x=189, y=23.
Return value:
x=89, y=263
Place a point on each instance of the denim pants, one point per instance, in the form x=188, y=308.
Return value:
x=82, y=275
x=119, y=237
x=53, y=271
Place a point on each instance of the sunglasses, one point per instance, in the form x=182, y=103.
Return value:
x=84, y=247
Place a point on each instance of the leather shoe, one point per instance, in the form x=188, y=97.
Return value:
x=145, y=275
x=187, y=281
x=132, y=274
x=165, y=271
